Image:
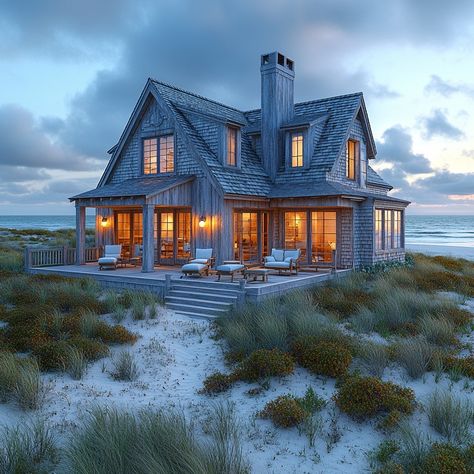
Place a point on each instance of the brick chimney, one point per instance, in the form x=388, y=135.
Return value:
x=278, y=74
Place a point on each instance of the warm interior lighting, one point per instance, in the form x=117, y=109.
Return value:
x=104, y=222
x=202, y=221
x=332, y=245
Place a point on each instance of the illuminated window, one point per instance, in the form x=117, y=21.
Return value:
x=323, y=232
x=231, y=146
x=296, y=231
x=397, y=225
x=165, y=157
x=352, y=156
x=296, y=150
x=378, y=229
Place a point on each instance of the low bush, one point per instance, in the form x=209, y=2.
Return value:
x=115, y=334
x=446, y=459
x=92, y=349
x=462, y=365
x=365, y=397
x=322, y=357
x=451, y=417
x=52, y=355
x=415, y=355
x=284, y=411
x=124, y=367
x=265, y=363
x=217, y=383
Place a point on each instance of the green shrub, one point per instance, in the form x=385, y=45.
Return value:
x=115, y=334
x=445, y=459
x=284, y=411
x=92, y=349
x=217, y=383
x=52, y=355
x=463, y=365
x=322, y=357
x=265, y=363
x=366, y=397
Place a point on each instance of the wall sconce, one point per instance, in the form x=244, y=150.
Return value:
x=104, y=222
x=202, y=221
x=332, y=245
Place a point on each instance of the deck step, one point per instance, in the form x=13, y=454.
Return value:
x=203, y=310
x=201, y=283
x=194, y=315
x=203, y=289
x=198, y=302
x=230, y=299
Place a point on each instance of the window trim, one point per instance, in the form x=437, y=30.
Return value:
x=157, y=137
x=400, y=237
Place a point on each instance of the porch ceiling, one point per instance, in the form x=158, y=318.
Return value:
x=144, y=187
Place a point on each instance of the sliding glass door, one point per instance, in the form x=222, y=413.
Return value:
x=250, y=236
x=173, y=236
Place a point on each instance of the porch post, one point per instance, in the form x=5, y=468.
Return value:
x=148, y=258
x=80, y=234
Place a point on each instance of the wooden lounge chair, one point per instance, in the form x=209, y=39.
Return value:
x=283, y=260
x=111, y=257
x=200, y=264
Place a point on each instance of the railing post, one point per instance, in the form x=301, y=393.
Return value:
x=241, y=299
x=167, y=283
x=65, y=259
x=27, y=259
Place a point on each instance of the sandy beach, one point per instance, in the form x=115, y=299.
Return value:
x=448, y=250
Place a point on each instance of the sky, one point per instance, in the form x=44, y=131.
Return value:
x=71, y=73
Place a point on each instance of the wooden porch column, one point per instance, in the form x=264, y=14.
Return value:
x=148, y=258
x=80, y=234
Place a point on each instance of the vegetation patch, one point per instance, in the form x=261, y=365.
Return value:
x=366, y=397
x=265, y=363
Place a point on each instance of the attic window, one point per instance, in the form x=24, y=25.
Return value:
x=231, y=146
x=289, y=64
x=352, y=158
x=158, y=155
x=296, y=150
x=265, y=59
x=281, y=59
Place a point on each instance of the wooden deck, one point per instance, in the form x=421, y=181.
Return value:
x=133, y=277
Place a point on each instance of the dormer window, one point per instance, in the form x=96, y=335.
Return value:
x=352, y=158
x=296, y=150
x=231, y=146
x=158, y=155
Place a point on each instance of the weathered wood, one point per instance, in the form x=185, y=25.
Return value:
x=148, y=258
x=80, y=234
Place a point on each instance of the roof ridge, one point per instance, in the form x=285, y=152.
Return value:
x=179, y=89
x=353, y=94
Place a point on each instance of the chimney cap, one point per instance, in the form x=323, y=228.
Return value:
x=277, y=59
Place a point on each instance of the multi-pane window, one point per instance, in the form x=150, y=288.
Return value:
x=363, y=170
x=378, y=229
x=296, y=150
x=166, y=234
x=323, y=235
x=388, y=229
x=158, y=159
x=231, y=146
x=352, y=156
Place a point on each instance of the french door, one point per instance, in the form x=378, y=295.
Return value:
x=173, y=236
x=250, y=236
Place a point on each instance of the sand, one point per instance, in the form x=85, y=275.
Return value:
x=448, y=250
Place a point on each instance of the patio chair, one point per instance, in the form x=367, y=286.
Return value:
x=111, y=257
x=283, y=260
x=199, y=264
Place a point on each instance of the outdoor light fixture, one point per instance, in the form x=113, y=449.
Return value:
x=104, y=222
x=334, y=255
x=202, y=221
x=332, y=245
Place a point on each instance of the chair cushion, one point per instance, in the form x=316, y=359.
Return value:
x=112, y=250
x=294, y=254
x=199, y=260
x=277, y=265
x=193, y=267
x=270, y=258
x=107, y=260
x=203, y=253
x=229, y=268
x=278, y=254
x=289, y=259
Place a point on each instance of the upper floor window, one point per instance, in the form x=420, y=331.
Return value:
x=158, y=155
x=352, y=157
x=231, y=146
x=296, y=150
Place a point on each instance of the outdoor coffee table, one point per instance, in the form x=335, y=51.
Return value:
x=256, y=273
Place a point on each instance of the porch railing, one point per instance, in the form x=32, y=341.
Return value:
x=54, y=256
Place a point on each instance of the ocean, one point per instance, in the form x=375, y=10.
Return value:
x=426, y=230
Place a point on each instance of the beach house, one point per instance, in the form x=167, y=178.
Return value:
x=189, y=172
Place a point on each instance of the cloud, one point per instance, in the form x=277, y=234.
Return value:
x=24, y=144
x=446, y=88
x=396, y=149
x=437, y=124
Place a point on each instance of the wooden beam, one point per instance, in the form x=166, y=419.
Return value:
x=80, y=235
x=148, y=258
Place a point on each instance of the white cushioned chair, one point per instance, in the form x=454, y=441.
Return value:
x=283, y=260
x=111, y=257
